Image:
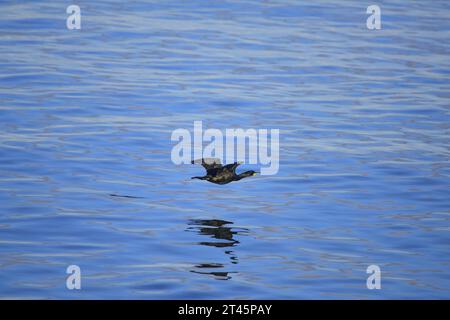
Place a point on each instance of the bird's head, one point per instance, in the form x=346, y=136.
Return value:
x=249, y=173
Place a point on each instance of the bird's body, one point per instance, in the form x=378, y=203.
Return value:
x=218, y=174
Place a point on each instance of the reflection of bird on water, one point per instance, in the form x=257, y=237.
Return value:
x=220, y=275
x=216, y=229
x=216, y=173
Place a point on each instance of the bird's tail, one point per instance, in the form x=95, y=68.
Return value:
x=201, y=178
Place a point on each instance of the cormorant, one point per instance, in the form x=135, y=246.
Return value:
x=218, y=174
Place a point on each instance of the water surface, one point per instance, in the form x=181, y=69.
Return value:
x=86, y=115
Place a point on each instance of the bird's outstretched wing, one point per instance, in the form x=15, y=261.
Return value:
x=232, y=167
x=210, y=164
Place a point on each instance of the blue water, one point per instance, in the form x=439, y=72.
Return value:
x=364, y=149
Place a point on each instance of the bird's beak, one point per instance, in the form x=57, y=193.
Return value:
x=254, y=173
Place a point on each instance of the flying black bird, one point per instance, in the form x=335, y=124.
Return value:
x=216, y=173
